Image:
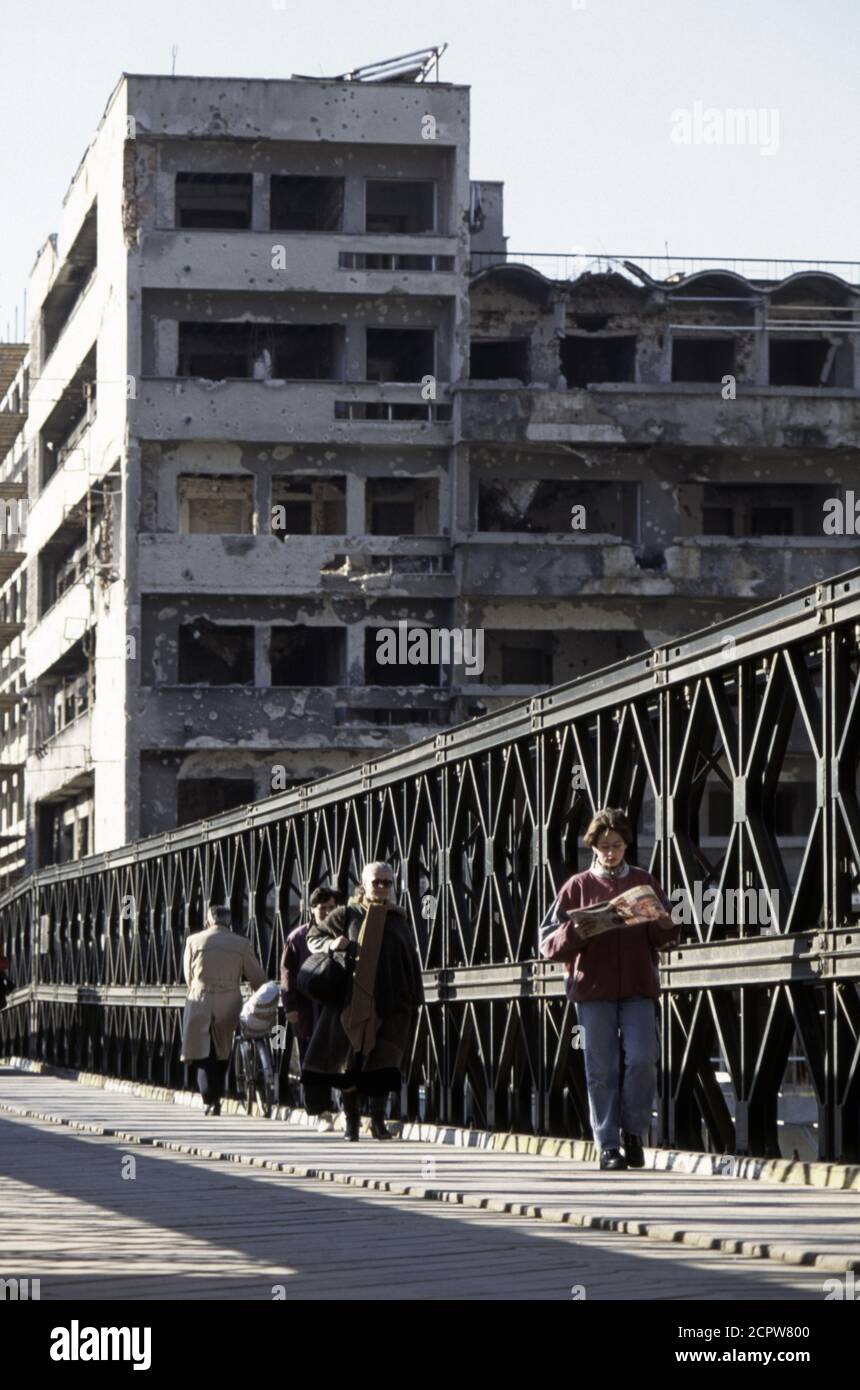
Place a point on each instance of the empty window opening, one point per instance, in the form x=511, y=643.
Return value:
x=391, y=410
x=541, y=506
x=306, y=204
x=390, y=718
x=399, y=354
x=702, y=359
x=527, y=665
x=62, y=565
x=72, y=697
x=215, y=351
x=587, y=360
x=212, y=654
x=308, y=656
x=218, y=351
x=762, y=509
x=392, y=260
x=70, y=556
x=518, y=657
x=377, y=672
x=212, y=506
x=810, y=362
x=718, y=521
x=198, y=798
x=64, y=829
x=402, y=506
x=591, y=323
x=405, y=206
x=213, y=200
x=771, y=521
x=308, y=506
x=495, y=361
x=304, y=352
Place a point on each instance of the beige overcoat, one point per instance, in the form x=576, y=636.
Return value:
x=216, y=962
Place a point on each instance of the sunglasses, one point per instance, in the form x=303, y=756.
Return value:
x=381, y=882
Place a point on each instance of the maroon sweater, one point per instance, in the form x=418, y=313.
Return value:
x=619, y=964
x=295, y=954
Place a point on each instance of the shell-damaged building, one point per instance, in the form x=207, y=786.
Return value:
x=315, y=467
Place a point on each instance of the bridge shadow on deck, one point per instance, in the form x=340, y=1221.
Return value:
x=211, y=1229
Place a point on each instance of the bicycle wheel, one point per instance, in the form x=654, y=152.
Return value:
x=264, y=1078
x=244, y=1076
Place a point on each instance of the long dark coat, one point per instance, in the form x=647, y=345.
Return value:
x=398, y=992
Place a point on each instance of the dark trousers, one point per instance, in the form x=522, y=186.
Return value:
x=211, y=1075
x=317, y=1097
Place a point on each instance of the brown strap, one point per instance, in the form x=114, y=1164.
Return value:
x=359, y=1019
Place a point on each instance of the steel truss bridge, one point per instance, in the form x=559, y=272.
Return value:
x=483, y=823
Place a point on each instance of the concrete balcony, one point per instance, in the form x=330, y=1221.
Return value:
x=58, y=629
x=174, y=409
x=8, y=633
x=786, y=417
x=698, y=567
x=392, y=566
x=13, y=489
x=63, y=764
x=756, y=568
x=11, y=424
x=316, y=262
x=503, y=564
x=408, y=566
x=79, y=333
x=192, y=718
x=12, y=553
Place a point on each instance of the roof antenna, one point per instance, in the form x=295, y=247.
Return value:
x=173, y=52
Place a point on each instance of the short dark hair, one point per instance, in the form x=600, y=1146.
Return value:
x=323, y=894
x=608, y=818
x=221, y=916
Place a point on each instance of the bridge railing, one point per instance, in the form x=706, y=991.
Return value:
x=703, y=741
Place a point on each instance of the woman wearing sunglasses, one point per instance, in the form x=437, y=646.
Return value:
x=359, y=1048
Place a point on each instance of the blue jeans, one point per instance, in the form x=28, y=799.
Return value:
x=608, y=1026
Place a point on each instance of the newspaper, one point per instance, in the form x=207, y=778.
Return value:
x=640, y=904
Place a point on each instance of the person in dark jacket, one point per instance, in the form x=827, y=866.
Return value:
x=614, y=981
x=359, y=1048
x=302, y=1013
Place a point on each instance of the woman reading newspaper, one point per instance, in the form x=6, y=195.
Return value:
x=607, y=925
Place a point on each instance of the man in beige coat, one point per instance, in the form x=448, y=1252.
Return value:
x=216, y=962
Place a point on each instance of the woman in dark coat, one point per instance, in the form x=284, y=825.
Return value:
x=359, y=1048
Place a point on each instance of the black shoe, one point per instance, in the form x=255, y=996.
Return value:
x=352, y=1112
x=214, y=1109
x=377, y=1123
x=633, y=1151
x=613, y=1159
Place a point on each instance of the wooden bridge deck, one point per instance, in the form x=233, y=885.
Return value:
x=200, y=1218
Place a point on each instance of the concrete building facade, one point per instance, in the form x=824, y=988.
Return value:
x=14, y=389
x=288, y=390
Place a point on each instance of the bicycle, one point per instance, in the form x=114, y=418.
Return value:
x=254, y=1071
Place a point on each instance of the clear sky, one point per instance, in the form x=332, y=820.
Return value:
x=572, y=106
